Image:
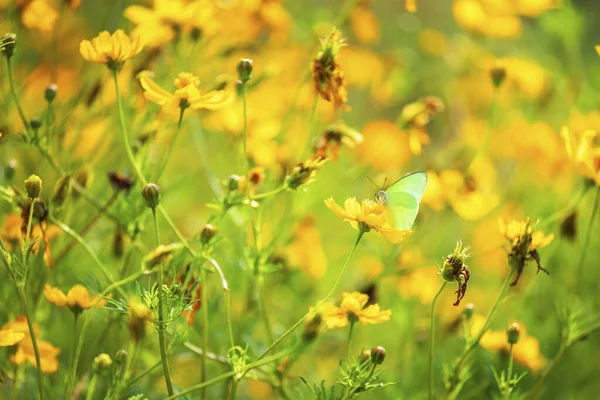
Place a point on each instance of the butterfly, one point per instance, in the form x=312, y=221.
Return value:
x=402, y=199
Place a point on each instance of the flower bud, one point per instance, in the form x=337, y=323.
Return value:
x=498, y=74
x=162, y=253
x=365, y=355
x=196, y=34
x=377, y=355
x=208, y=232
x=118, y=243
x=62, y=189
x=244, y=69
x=9, y=169
x=311, y=328
x=102, y=364
x=468, y=311
x=120, y=181
x=151, y=195
x=512, y=333
x=50, y=92
x=8, y=43
x=121, y=357
x=35, y=123
x=234, y=182
x=33, y=186
x=138, y=316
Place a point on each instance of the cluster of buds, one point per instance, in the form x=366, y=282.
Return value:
x=455, y=269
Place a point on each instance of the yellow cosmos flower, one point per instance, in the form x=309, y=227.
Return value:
x=25, y=352
x=8, y=337
x=352, y=309
x=524, y=242
x=583, y=154
x=38, y=14
x=186, y=95
x=367, y=215
x=77, y=299
x=112, y=50
x=385, y=147
x=365, y=25
x=307, y=236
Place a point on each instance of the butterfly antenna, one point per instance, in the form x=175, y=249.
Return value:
x=384, y=182
x=373, y=182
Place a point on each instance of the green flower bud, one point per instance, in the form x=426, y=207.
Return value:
x=498, y=75
x=365, y=355
x=62, y=189
x=233, y=182
x=121, y=357
x=377, y=355
x=102, y=364
x=468, y=311
x=512, y=333
x=151, y=195
x=8, y=43
x=244, y=69
x=33, y=186
x=9, y=169
x=50, y=92
x=208, y=232
x=311, y=328
x=35, y=123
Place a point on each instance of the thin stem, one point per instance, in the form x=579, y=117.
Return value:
x=432, y=340
x=246, y=160
x=312, y=120
x=510, y=370
x=327, y=297
x=84, y=326
x=161, y=322
x=13, y=92
x=350, y=332
x=75, y=339
x=226, y=375
x=91, y=387
x=87, y=248
x=227, y=299
x=588, y=235
x=534, y=393
x=263, y=308
x=170, y=153
x=270, y=193
x=574, y=203
x=204, y=297
x=128, y=150
x=487, y=322
x=28, y=316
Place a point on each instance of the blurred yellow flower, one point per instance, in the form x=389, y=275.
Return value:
x=366, y=216
x=8, y=337
x=526, y=352
x=38, y=14
x=432, y=42
x=415, y=117
x=365, y=24
x=583, y=154
x=306, y=250
x=352, y=309
x=77, y=299
x=410, y=5
x=186, y=95
x=25, y=352
x=112, y=50
x=384, y=146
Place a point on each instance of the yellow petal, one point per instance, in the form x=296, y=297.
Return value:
x=153, y=92
x=9, y=338
x=55, y=296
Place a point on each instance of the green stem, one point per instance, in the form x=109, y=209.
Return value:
x=487, y=322
x=509, y=373
x=172, y=147
x=588, y=235
x=432, y=340
x=128, y=150
x=574, y=203
x=86, y=322
x=28, y=316
x=75, y=339
x=313, y=117
x=91, y=387
x=204, y=297
x=227, y=299
x=327, y=297
x=13, y=92
x=246, y=160
x=270, y=193
x=534, y=393
x=161, y=322
x=350, y=332
x=226, y=375
x=263, y=308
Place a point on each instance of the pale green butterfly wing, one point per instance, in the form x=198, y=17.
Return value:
x=403, y=198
